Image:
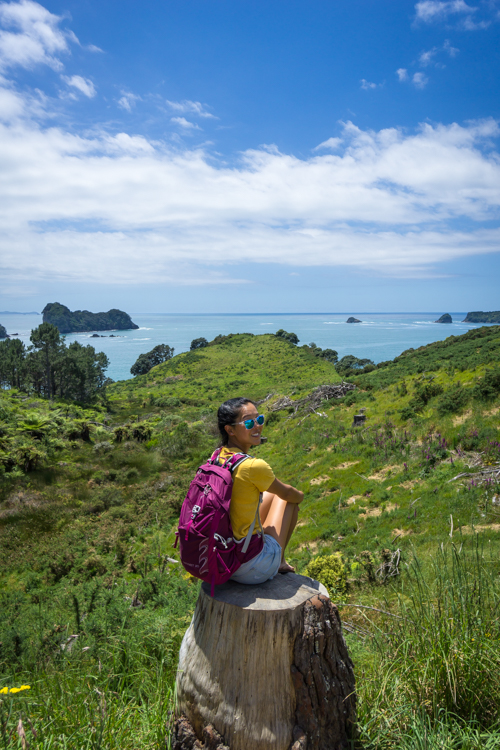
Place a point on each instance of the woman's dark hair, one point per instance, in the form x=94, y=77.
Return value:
x=228, y=412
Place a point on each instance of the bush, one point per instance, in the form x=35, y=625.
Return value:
x=291, y=337
x=103, y=447
x=424, y=391
x=156, y=356
x=407, y=413
x=351, y=365
x=452, y=400
x=198, y=343
x=330, y=571
x=488, y=387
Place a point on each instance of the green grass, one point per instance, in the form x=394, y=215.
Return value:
x=89, y=500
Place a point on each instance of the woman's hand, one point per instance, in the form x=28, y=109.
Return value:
x=286, y=492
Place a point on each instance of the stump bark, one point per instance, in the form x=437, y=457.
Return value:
x=265, y=668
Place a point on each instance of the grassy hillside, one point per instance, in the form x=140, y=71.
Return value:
x=93, y=605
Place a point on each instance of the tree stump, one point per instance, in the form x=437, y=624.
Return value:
x=265, y=668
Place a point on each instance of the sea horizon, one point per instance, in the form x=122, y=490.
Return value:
x=379, y=336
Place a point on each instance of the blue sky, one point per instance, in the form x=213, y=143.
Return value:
x=242, y=156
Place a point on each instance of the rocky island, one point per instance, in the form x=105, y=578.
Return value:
x=83, y=320
x=446, y=318
x=3, y=332
x=482, y=317
x=352, y=320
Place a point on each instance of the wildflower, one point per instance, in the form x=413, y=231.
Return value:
x=15, y=690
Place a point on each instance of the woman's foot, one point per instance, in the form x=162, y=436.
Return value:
x=286, y=568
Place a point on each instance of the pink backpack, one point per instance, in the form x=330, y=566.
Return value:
x=207, y=547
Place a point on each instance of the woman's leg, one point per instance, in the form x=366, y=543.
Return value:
x=278, y=520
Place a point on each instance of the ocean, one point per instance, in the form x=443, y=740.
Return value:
x=380, y=336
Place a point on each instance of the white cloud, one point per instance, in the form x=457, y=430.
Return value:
x=420, y=80
x=93, y=48
x=84, y=85
x=469, y=24
x=125, y=210
x=185, y=124
x=187, y=106
x=452, y=51
x=31, y=36
x=367, y=85
x=12, y=105
x=330, y=143
x=402, y=74
x=426, y=57
x=127, y=100
x=436, y=10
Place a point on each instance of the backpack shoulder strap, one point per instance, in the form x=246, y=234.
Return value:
x=235, y=460
x=231, y=461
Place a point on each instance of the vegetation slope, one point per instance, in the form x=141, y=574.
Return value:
x=94, y=605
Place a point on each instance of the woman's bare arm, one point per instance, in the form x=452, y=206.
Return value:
x=286, y=492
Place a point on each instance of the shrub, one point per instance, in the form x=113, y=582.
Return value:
x=94, y=565
x=424, y=391
x=488, y=387
x=351, y=365
x=156, y=356
x=103, y=447
x=291, y=337
x=452, y=400
x=330, y=354
x=132, y=474
x=330, y=571
x=198, y=343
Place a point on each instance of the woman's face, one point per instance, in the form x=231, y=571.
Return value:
x=238, y=433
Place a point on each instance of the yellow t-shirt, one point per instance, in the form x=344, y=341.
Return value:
x=250, y=478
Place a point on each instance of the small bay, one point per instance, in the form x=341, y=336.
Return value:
x=379, y=336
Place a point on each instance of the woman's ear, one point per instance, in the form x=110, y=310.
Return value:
x=228, y=429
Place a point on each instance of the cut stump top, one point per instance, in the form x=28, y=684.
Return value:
x=284, y=591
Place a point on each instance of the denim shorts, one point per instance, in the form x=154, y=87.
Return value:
x=263, y=566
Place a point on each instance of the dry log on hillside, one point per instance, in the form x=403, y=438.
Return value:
x=265, y=668
x=314, y=399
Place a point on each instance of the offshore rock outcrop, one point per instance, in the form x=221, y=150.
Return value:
x=83, y=320
x=482, y=317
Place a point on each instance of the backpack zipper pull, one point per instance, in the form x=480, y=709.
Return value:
x=194, y=513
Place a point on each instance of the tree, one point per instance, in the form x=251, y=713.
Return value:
x=198, y=343
x=47, y=340
x=81, y=372
x=351, y=363
x=291, y=337
x=156, y=356
x=330, y=354
x=3, y=332
x=50, y=368
x=12, y=363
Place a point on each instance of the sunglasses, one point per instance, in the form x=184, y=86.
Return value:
x=249, y=423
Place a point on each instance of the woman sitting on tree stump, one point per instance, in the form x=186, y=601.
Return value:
x=240, y=426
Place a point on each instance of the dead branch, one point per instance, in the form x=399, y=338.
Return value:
x=312, y=402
